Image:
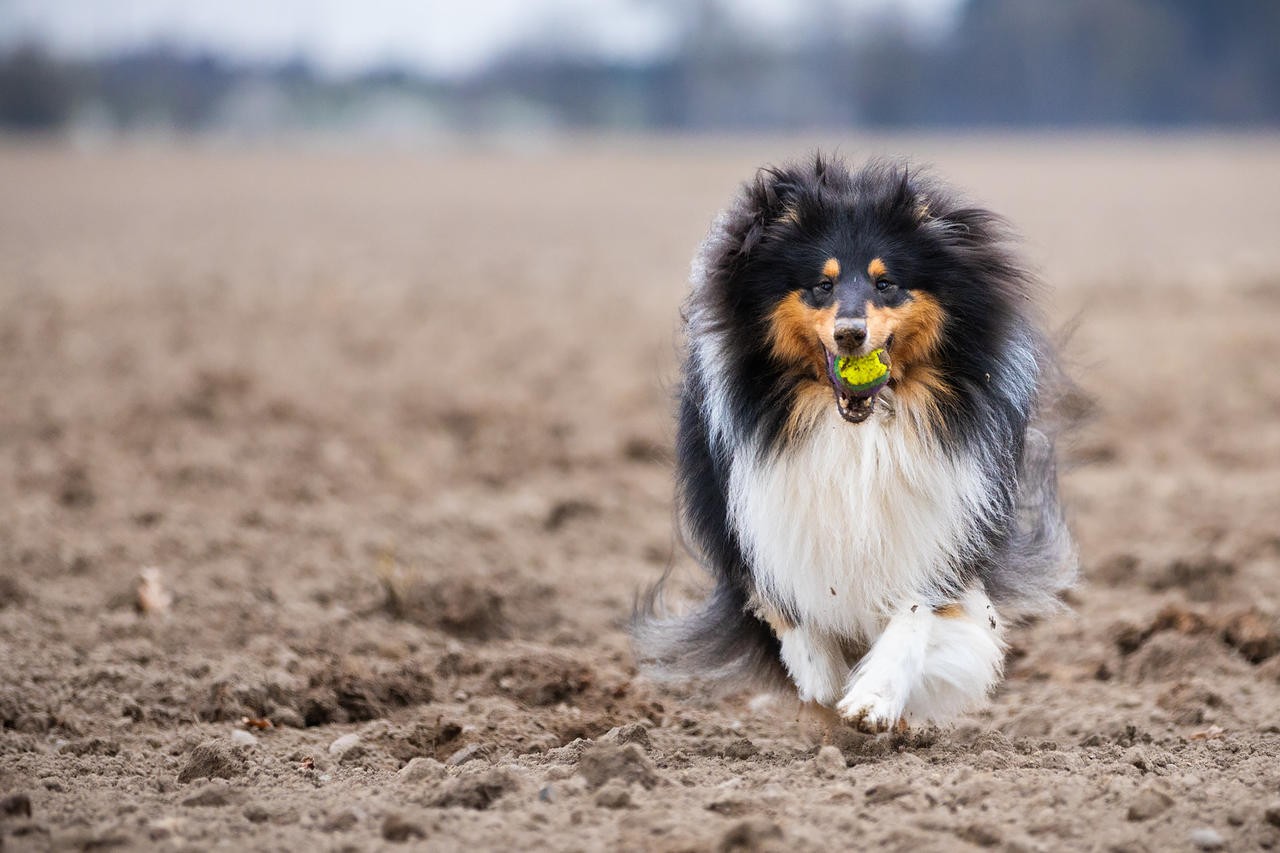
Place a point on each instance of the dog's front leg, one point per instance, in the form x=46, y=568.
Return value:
x=892, y=668
x=930, y=664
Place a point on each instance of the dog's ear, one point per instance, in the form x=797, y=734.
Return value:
x=770, y=198
x=911, y=196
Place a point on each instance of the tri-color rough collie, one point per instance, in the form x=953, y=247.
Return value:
x=873, y=545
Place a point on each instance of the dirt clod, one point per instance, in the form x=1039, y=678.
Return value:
x=751, y=835
x=829, y=762
x=630, y=733
x=471, y=752
x=979, y=834
x=542, y=680
x=603, y=762
x=1254, y=635
x=477, y=791
x=422, y=769
x=1148, y=802
x=614, y=795
x=211, y=794
x=340, y=822
x=461, y=607
x=397, y=829
x=740, y=749
x=397, y=429
x=15, y=805
x=886, y=793
x=213, y=759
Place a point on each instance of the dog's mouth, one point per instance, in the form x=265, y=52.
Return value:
x=857, y=381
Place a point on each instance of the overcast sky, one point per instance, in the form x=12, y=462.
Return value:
x=433, y=35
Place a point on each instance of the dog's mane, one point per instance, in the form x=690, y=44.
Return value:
x=1000, y=371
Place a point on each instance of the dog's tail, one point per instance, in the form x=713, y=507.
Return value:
x=720, y=644
x=1041, y=561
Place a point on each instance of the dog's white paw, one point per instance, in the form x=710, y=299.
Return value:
x=871, y=708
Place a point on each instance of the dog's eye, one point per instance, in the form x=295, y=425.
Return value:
x=884, y=284
x=823, y=287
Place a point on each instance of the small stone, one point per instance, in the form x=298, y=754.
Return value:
x=613, y=795
x=240, y=737
x=343, y=744
x=1207, y=839
x=396, y=828
x=341, y=822
x=473, y=752
x=1148, y=802
x=153, y=598
x=421, y=769
x=829, y=762
x=547, y=794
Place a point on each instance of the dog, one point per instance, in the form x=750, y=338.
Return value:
x=868, y=547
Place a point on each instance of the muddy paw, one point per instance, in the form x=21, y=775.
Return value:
x=870, y=713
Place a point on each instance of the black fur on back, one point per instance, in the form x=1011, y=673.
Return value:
x=998, y=365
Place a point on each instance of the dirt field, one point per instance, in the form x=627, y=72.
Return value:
x=393, y=432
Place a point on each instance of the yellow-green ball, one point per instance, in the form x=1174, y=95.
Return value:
x=864, y=372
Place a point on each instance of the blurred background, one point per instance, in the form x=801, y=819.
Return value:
x=404, y=70
x=338, y=342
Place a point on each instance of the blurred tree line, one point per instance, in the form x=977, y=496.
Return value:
x=1006, y=62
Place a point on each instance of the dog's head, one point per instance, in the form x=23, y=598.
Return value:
x=827, y=266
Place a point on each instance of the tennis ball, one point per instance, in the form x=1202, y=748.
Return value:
x=864, y=373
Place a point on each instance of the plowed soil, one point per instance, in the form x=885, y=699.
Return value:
x=327, y=479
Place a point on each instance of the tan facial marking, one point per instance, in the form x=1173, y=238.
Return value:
x=950, y=611
x=831, y=269
x=876, y=269
x=916, y=327
x=797, y=336
x=798, y=333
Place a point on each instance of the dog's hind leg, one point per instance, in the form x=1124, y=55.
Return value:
x=815, y=661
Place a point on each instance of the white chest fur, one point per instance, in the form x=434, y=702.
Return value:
x=854, y=519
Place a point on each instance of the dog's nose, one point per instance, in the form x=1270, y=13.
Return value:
x=850, y=334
